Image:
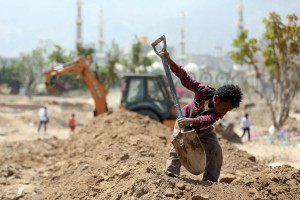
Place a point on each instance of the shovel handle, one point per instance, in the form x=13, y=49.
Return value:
x=168, y=74
x=156, y=42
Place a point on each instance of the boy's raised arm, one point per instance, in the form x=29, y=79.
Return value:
x=186, y=80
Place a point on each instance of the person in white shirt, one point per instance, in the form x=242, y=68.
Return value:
x=245, y=125
x=43, y=119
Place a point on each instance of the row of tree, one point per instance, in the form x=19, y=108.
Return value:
x=27, y=72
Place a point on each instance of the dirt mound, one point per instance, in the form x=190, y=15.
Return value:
x=279, y=183
x=121, y=155
x=227, y=132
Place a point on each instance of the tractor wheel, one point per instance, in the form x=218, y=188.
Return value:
x=149, y=113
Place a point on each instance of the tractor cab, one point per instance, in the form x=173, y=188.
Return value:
x=147, y=95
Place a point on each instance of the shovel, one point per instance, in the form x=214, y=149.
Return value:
x=187, y=144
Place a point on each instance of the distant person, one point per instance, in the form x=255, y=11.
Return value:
x=245, y=125
x=43, y=119
x=72, y=123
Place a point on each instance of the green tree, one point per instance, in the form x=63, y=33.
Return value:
x=84, y=51
x=111, y=65
x=108, y=73
x=280, y=59
x=9, y=76
x=32, y=65
x=137, y=59
x=59, y=55
x=246, y=51
x=28, y=69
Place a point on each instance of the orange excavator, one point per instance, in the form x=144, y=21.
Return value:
x=81, y=66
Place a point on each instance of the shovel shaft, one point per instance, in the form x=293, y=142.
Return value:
x=168, y=74
x=172, y=87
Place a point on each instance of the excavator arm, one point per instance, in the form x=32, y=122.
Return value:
x=81, y=66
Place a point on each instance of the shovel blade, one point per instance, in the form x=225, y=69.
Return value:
x=190, y=151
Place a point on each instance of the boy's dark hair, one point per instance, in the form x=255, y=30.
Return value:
x=230, y=93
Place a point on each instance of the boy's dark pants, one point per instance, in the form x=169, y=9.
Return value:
x=213, y=150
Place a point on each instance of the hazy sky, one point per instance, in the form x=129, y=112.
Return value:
x=24, y=23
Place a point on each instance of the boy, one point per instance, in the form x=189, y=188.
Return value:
x=43, y=119
x=72, y=123
x=207, y=107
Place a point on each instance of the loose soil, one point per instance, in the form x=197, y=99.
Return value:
x=119, y=155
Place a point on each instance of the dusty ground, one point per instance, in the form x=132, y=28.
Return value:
x=121, y=155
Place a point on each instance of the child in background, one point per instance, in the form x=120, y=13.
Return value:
x=43, y=119
x=72, y=123
x=245, y=125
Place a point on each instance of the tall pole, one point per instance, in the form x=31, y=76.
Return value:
x=241, y=23
x=79, y=41
x=182, y=56
x=101, y=40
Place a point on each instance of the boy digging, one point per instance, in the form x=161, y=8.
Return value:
x=208, y=106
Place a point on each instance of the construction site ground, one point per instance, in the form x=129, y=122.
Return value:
x=121, y=155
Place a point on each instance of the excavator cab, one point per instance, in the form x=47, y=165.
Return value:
x=147, y=94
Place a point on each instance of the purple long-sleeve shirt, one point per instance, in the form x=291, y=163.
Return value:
x=197, y=108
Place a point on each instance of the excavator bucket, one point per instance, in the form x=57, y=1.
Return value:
x=190, y=151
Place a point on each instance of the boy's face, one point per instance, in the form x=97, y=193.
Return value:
x=221, y=107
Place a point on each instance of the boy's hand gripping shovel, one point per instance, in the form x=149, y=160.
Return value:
x=187, y=144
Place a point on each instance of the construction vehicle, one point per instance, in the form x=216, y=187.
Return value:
x=142, y=93
x=147, y=94
x=81, y=66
